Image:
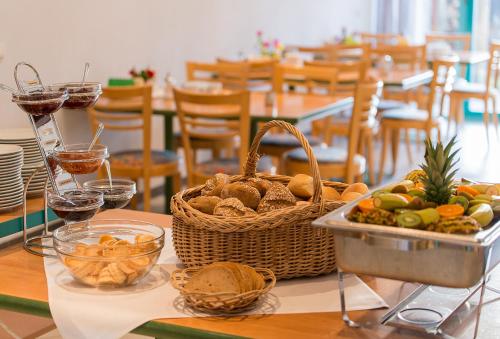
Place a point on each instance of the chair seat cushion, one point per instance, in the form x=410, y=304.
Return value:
x=230, y=166
x=385, y=105
x=326, y=155
x=287, y=140
x=133, y=158
x=471, y=87
x=405, y=114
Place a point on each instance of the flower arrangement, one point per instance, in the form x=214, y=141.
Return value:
x=146, y=73
x=267, y=48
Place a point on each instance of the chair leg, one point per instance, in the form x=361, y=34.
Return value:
x=408, y=145
x=451, y=115
x=147, y=193
x=395, y=149
x=486, y=119
x=495, y=114
x=385, y=140
x=369, y=156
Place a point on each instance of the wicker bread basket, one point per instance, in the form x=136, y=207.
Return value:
x=282, y=240
x=220, y=302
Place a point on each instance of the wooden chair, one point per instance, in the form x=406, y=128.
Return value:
x=381, y=39
x=404, y=57
x=317, y=52
x=260, y=72
x=139, y=163
x=221, y=116
x=393, y=121
x=335, y=162
x=456, y=42
x=344, y=53
x=302, y=80
x=234, y=76
x=349, y=74
x=483, y=91
x=310, y=79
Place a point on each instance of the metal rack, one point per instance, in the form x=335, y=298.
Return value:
x=48, y=136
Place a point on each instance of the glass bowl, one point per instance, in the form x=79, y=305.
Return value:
x=81, y=95
x=109, y=253
x=117, y=197
x=40, y=103
x=75, y=205
x=77, y=159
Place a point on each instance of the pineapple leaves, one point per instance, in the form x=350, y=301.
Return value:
x=440, y=169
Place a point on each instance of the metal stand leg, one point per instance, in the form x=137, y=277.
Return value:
x=479, y=307
x=345, y=316
x=37, y=241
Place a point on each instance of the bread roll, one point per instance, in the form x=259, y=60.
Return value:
x=205, y=204
x=358, y=187
x=248, y=195
x=232, y=207
x=214, y=185
x=302, y=186
x=350, y=196
x=330, y=193
x=262, y=185
x=278, y=196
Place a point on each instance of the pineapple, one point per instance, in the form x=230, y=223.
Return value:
x=416, y=176
x=439, y=168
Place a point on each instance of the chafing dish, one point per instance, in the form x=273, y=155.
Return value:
x=449, y=260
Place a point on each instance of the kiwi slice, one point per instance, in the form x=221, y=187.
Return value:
x=409, y=220
x=460, y=200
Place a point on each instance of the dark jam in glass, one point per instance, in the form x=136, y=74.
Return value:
x=76, y=210
x=40, y=103
x=116, y=198
x=81, y=98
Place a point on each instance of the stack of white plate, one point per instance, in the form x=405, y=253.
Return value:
x=25, y=137
x=11, y=182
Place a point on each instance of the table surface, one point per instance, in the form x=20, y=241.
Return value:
x=289, y=106
x=23, y=289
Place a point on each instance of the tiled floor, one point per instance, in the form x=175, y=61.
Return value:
x=478, y=160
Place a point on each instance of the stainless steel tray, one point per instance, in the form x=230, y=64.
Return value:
x=450, y=260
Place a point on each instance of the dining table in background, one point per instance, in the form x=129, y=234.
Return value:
x=290, y=107
x=23, y=288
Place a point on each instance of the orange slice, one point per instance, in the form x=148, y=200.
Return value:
x=468, y=189
x=366, y=205
x=450, y=210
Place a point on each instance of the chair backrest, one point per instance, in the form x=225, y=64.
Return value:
x=380, y=39
x=456, y=41
x=349, y=73
x=345, y=52
x=411, y=57
x=212, y=116
x=444, y=74
x=260, y=72
x=318, y=52
x=310, y=78
x=366, y=98
x=232, y=76
x=137, y=98
x=493, y=67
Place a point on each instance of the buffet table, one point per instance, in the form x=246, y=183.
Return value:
x=23, y=289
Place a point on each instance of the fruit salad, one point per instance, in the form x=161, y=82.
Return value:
x=430, y=199
x=470, y=207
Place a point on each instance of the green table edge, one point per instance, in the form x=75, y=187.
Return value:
x=150, y=328
x=15, y=225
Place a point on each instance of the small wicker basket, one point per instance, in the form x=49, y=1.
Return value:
x=282, y=240
x=220, y=302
